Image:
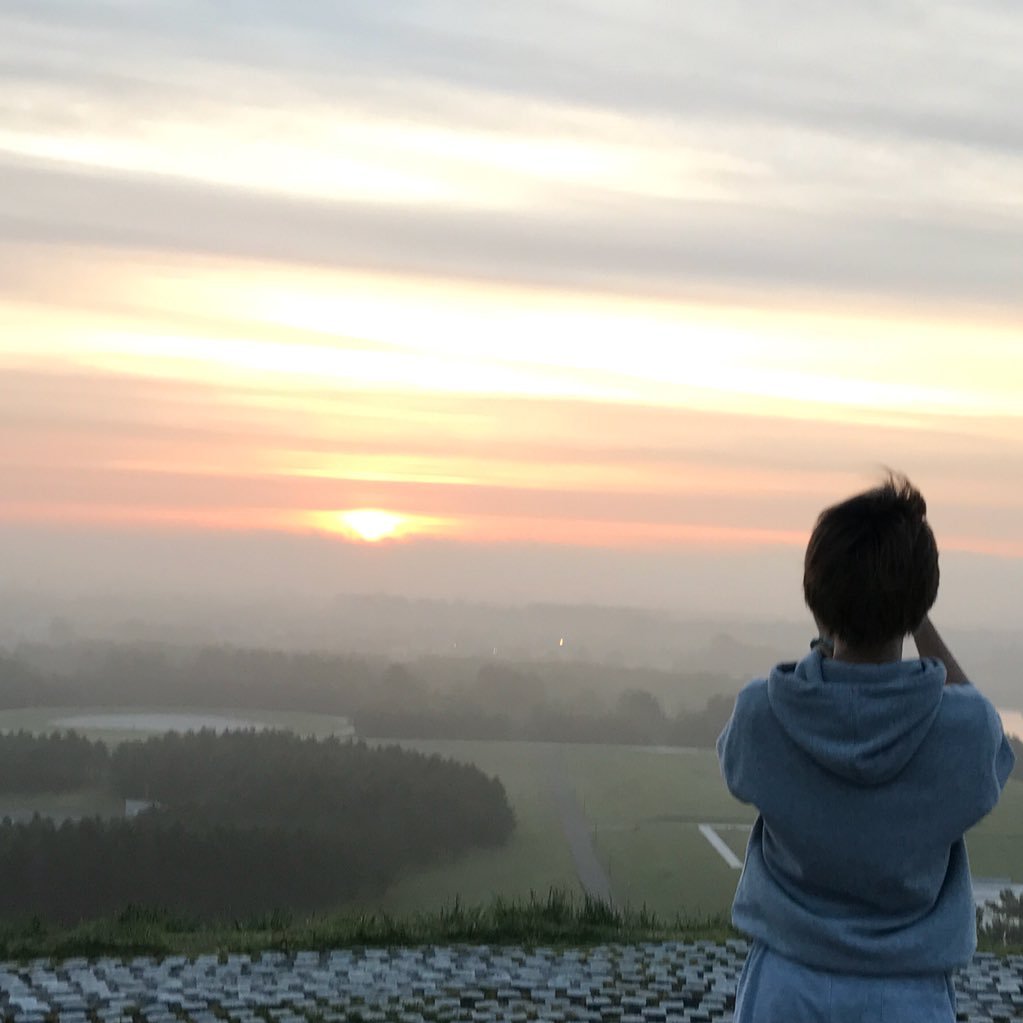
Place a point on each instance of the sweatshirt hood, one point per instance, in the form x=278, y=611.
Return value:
x=862, y=722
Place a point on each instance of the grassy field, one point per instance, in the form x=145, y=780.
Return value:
x=996, y=844
x=556, y=919
x=644, y=806
x=535, y=860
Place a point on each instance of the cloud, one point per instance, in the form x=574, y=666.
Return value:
x=94, y=448
x=689, y=155
x=773, y=60
x=681, y=249
x=755, y=154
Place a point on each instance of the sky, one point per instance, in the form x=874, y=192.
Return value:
x=548, y=300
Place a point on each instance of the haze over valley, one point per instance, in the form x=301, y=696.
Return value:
x=413, y=418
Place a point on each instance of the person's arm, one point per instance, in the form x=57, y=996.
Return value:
x=930, y=644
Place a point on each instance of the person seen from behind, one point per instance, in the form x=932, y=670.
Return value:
x=866, y=771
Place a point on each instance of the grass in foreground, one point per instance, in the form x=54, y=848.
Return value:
x=558, y=919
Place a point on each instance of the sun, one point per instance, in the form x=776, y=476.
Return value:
x=375, y=525
x=371, y=525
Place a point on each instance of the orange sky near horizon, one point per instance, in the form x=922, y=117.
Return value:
x=163, y=395
x=513, y=287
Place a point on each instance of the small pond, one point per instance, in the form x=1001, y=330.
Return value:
x=155, y=722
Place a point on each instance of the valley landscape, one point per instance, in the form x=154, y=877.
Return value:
x=420, y=421
x=643, y=822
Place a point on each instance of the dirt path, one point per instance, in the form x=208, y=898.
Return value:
x=592, y=875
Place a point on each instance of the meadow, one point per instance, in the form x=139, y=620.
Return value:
x=644, y=806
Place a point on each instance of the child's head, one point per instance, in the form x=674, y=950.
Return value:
x=871, y=568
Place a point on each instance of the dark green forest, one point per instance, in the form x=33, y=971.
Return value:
x=243, y=823
x=59, y=762
x=443, y=700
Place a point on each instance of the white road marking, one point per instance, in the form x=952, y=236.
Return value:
x=720, y=847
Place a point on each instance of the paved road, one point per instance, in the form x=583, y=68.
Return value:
x=592, y=875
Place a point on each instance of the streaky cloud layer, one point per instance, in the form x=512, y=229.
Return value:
x=610, y=278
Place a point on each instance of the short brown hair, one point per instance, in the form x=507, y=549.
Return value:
x=871, y=568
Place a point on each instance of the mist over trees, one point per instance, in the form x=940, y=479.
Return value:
x=449, y=698
x=243, y=823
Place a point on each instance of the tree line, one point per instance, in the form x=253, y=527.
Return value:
x=246, y=823
x=636, y=719
x=58, y=762
x=497, y=701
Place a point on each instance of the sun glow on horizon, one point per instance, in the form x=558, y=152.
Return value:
x=371, y=525
x=374, y=525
